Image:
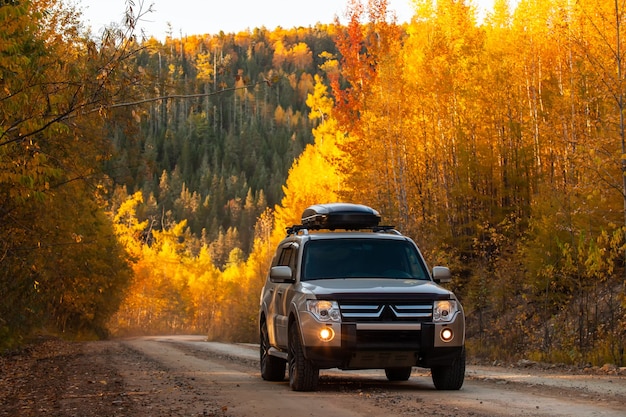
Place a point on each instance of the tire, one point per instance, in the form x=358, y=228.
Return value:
x=303, y=374
x=398, y=374
x=450, y=377
x=272, y=368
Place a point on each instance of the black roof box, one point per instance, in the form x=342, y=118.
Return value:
x=340, y=216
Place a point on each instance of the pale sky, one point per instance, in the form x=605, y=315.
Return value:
x=196, y=17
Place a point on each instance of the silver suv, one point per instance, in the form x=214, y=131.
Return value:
x=343, y=292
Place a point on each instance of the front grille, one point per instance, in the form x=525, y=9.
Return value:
x=353, y=312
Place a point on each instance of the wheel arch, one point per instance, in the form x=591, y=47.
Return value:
x=293, y=319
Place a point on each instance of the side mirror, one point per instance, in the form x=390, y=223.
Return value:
x=441, y=274
x=281, y=274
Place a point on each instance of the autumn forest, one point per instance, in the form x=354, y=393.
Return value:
x=144, y=184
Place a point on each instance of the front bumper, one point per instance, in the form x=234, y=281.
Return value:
x=382, y=345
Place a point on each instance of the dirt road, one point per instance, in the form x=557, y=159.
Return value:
x=187, y=376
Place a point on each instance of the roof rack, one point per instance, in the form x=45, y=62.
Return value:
x=296, y=228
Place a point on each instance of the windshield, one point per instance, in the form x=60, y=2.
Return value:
x=362, y=258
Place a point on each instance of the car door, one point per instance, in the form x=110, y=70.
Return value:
x=282, y=291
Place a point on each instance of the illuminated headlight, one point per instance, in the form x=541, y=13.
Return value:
x=444, y=310
x=324, y=310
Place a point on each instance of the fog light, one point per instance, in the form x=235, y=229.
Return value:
x=326, y=334
x=446, y=335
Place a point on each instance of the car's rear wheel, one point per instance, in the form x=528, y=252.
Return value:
x=272, y=368
x=303, y=374
x=450, y=377
x=398, y=374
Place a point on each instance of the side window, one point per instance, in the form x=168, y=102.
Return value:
x=288, y=257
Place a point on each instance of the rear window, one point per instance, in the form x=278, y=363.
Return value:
x=361, y=258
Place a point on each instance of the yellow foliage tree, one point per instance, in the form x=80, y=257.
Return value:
x=314, y=177
x=55, y=85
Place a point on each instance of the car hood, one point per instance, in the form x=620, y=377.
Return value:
x=374, y=288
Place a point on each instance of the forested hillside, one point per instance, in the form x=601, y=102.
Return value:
x=216, y=149
x=145, y=184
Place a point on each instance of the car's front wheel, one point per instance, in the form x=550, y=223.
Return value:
x=303, y=374
x=450, y=377
x=272, y=368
